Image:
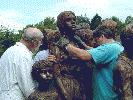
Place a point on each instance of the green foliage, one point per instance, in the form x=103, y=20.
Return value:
x=48, y=23
x=7, y=39
x=82, y=19
x=95, y=22
x=128, y=20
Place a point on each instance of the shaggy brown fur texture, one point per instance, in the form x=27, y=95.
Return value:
x=68, y=70
x=122, y=78
x=42, y=73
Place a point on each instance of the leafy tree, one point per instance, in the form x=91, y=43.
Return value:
x=48, y=23
x=7, y=38
x=120, y=24
x=95, y=22
x=128, y=20
x=82, y=19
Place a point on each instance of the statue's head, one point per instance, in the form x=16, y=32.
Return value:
x=66, y=22
x=52, y=36
x=111, y=25
x=42, y=71
x=85, y=33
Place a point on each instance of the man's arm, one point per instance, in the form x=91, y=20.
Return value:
x=79, y=53
x=24, y=78
x=82, y=54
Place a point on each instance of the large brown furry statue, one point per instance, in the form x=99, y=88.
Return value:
x=126, y=62
x=67, y=71
x=42, y=73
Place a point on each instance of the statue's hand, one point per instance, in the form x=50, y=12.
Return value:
x=51, y=58
x=62, y=43
x=80, y=43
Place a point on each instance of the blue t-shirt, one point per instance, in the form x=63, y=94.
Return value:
x=105, y=57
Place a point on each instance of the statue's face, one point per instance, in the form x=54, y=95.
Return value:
x=46, y=73
x=70, y=22
x=42, y=71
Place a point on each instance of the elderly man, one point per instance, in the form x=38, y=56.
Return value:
x=16, y=65
x=104, y=57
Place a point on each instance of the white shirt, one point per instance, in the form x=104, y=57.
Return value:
x=15, y=73
x=41, y=55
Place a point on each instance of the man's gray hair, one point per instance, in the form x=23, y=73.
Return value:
x=31, y=34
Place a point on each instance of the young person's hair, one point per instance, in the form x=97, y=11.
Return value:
x=102, y=30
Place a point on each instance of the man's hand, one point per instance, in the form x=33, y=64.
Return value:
x=51, y=58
